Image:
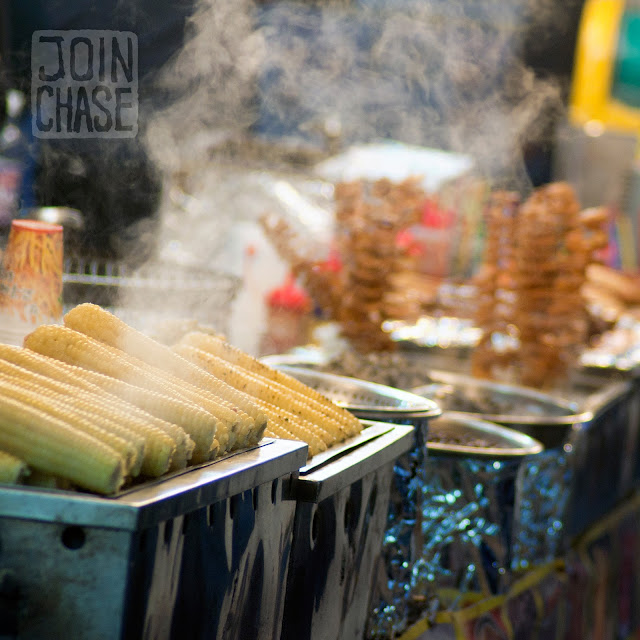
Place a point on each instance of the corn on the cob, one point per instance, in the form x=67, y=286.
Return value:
x=202, y=432
x=76, y=348
x=56, y=447
x=251, y=423
x=215, y=449
x=228, y=394
x=227, y=421
x=158, y=445
x=164, y=441
x=107, y=328
x=187, y=415
x=76, y=385
x=54, y=405
x=12, y=469
x=221, y=420
x=190, y=417
x=222, y=349
x=272, y=393
x=279, y=432
x=207, y=435
x=280, y=419
x=42, y=364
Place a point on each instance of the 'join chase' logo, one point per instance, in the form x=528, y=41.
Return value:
x=84, y=84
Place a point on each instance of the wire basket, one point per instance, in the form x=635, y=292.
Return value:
x=148, y=296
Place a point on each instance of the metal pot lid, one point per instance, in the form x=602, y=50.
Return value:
x=362, y=397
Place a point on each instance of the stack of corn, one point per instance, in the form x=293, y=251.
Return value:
x=96, y=404
x=294, y=410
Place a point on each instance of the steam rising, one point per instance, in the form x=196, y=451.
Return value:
x=211, y=83
x=444, y=74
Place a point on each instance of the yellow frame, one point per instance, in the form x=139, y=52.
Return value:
x=595, y=57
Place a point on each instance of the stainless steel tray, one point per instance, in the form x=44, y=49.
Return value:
x=394, y=594
x=381, y=443
x=371, y=430
x=203, y=551
x=604, y=453
x=156, y=500
x=341, y=515
x=367, y=400
x=590, y=443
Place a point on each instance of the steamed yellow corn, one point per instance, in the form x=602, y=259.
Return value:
x=115, y=414
x=78, y=349
x=272, y=393
x=227, y=352
x=101, y=325
x=234, y=398
x=148, y=405
x=280, y=419
x=55, y=405
x=44, y=480
x=56, y=447
x=156, y=449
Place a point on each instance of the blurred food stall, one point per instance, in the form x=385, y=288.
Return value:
x=360, y=366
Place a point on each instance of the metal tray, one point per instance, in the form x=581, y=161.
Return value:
x=341, y=514
x=367, y=400
x=607, y=376
x=604, y=454
x=152, y=294
x=589, y=463
x=569, y=488
x=394, y=601
x=202, y=551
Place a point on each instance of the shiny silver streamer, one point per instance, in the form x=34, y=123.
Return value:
x=467, y=524
x=394, y=599
x=544, y=488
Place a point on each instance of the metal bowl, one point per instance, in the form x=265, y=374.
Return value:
x=366, y=399
x=460, y=429
x=545, y=417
